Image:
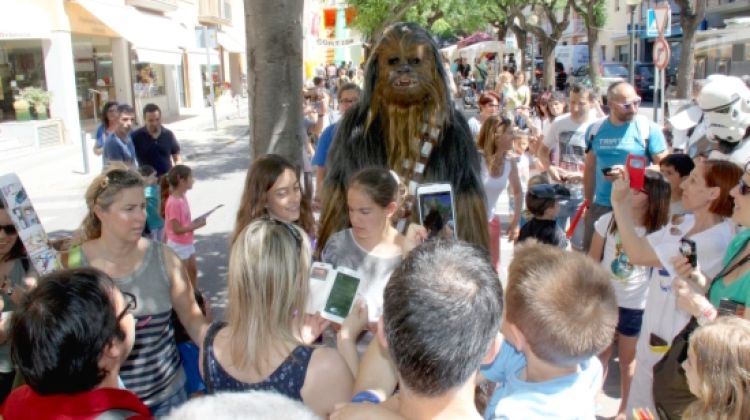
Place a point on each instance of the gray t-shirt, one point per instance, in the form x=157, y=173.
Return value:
x=374, y=271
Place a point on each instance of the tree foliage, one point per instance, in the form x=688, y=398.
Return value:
x=593, y=13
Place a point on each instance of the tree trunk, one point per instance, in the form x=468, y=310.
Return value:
x=521, y=40
x=274, y=67
x=548, y=57
x=592, y=33
x=686, y=70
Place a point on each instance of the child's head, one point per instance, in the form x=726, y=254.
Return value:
x=520, y=141
x=559, y=305
x=180, y=176
x=372, y=199
x=718, y=370
x=676, y=167
x=538, y=206
x=149, y=174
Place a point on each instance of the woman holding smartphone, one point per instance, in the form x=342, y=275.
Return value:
x=706, y=196
x=265, y=342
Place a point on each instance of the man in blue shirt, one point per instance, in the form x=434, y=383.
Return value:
x=119, y=146
x=348, y=95
x=156, y=145
x=609, y=142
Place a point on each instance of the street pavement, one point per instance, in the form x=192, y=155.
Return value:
x=56, y=183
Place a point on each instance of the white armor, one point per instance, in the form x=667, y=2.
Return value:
x=725, y=101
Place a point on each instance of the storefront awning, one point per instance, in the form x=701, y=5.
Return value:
x=230, y=43
x=155, y=38
x=24, y=20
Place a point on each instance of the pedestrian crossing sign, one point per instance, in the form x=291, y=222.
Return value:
x=659, y=17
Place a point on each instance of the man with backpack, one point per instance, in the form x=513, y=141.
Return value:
x=609, y=142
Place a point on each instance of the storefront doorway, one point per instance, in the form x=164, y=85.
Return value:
x=95, y=83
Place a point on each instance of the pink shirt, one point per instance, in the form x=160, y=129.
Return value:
x=178, y=209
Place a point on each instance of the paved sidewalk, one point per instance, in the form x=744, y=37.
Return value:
x=55, y=180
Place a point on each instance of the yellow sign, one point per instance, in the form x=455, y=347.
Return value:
x=84, y=23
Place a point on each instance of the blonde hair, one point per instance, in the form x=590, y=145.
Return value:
x=722, y=353
x=102, y=192
x=268, y=288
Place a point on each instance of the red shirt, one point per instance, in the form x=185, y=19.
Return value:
x=24, y=403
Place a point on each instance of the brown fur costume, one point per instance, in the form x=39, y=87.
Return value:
x=405, y=87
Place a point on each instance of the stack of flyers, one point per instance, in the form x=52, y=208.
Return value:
x=30, y=230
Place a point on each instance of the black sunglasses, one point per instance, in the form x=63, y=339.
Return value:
x=744, y=188
x=9, y=229
x=130, y=304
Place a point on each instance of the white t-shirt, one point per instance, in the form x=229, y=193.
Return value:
x=474, y=126
x=662, y=317
x=493, y=187
x=566, y=140
x=630, y=281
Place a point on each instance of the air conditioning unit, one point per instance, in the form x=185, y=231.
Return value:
x=18, y=135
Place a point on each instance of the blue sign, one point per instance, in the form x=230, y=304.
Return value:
x=651, y=31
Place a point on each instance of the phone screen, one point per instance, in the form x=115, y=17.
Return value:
x=342, y=295
x=437, y=214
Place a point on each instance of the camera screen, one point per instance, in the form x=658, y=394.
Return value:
x=342, y=295
x=437, y=215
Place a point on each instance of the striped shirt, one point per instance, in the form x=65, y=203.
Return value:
x=152, y=370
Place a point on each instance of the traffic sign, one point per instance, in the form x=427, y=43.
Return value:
x=652, y=30
x=661, y=53
x=662, y=14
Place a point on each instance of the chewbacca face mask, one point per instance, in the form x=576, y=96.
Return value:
x=406, y=68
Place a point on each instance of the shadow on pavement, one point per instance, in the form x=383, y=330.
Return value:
x=212, y=255
x=211, y=163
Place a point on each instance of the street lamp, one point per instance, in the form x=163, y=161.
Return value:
x=532, y=20
x=633, y=4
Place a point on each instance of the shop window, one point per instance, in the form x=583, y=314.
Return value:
x=21, y=65
x=148, y=79
x=93, y=69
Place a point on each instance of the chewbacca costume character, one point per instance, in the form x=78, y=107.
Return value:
x=405, y=97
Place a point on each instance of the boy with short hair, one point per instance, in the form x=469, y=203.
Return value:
x=560, y=312
x=543, y=202
x=676, y=167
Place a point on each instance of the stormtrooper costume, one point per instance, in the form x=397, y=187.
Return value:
x=725, y=102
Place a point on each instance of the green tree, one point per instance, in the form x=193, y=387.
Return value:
x=593, y=13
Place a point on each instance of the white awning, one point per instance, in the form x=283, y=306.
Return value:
x=230, y=43
x=155, y=39
x=23, y=20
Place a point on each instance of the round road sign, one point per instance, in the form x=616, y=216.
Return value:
x=661, y=53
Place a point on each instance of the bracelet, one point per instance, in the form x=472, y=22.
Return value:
x=366, y=396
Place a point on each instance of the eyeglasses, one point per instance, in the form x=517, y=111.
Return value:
x=347, y=101
x=9, y=229
x=491, y=105
x=130, y=304
x=743, y=187
x=635, y=103
x=291, y=229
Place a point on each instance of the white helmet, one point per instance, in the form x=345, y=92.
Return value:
x=725, y=101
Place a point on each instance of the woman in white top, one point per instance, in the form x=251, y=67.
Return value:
x=706, y=196
x=650, y=207
x=522, y=92
x=495, y=142
x=489, y=105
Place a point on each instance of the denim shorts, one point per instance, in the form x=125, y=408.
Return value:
x=629, y=321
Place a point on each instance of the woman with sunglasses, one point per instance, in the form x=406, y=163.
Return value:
x=111, y=241
x=706, y=196
x=489, y=105
x=17, y=277
x=499, y=171
x=650, y=209
x=265, y=342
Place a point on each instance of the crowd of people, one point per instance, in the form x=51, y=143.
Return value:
x=656, y=270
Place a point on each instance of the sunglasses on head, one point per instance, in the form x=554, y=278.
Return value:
x=291, y=229
x=131, y=303
x=8, y=229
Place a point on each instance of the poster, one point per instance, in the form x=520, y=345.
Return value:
x=30, y=230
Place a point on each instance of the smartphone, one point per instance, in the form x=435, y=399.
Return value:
x=607, y=171
x=341, y=298
x=636, y=167
x=320, y=274
x=731, y=307
x=688, y=250
x=437, y=210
